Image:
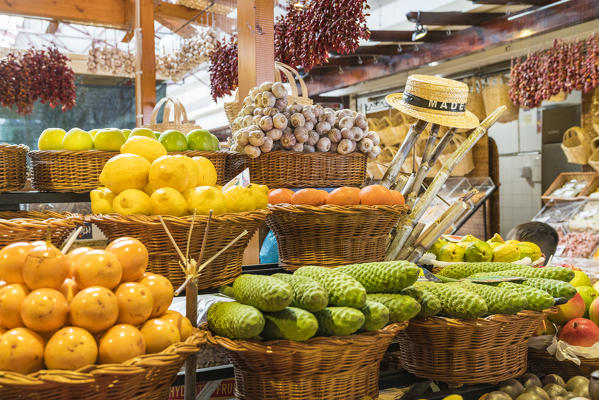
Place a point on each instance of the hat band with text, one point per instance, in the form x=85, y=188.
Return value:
x=414, y=100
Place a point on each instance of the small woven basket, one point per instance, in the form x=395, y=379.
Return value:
x=484, y=350
x=332, y=235
x=576, y=145
x=163, y=257
x=594, y=157
x=541, y=361
x=496, y=94
x=174, y=108
x=232, y=108
x=147, y=377
x=27, y=226
x=13, y=166
x=66, y=170
x=321, y=368
x=475, y=103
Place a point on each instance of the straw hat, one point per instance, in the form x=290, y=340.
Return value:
x=436, y=100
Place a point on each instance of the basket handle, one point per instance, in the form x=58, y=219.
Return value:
x=291, y=73
x=595, y=144
x=171, y=106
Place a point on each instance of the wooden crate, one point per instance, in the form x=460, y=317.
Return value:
x=565, y=177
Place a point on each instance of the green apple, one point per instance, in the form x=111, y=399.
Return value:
x=109, y=140
x=202, y=139
x=157, y=134
x=78, y=139
x=142, y=132
x=51, y=139
x=126, y=132
x=580, y=279
x=173, y=140
x=588, y=295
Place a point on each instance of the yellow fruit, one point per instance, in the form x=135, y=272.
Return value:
x=45, y=267
x=132, y=255
x=170, y=171
x=148, y=190
x=167, y=201
x=70, y=348
x=159, y=334
x=12, y=258
x=125, y=171
x=98, y=268
x=182, y=323
x=162, y=292
x=132, y=201
x=21, y=350
x=44, y=310
x=239, y=199
x=11, y=298
x=101, y=199
x=192, y=172
x=120, y=343
x=205, y=198
x=207, y=172
x=148, y=148
x=95, y=309
x=135, y=303
x=69, y=289
x=260, y=195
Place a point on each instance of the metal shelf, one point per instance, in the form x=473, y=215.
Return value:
x=12, y=200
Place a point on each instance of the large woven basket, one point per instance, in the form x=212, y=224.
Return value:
x=541, y=361
x=331, y=235
x=13, y=166
x=20, y=226
x=147, y=377
x=66, y=170
x=325, y=368
x=163, y=256
x=484, y=350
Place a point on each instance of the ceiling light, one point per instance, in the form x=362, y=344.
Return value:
x=420, y=32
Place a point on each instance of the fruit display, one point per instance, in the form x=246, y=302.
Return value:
x=268, y=123
x=66, y=311
x=342, y=196
x=570, y=189
x=579, y=244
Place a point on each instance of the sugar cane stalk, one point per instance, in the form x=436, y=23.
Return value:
x=400, y=157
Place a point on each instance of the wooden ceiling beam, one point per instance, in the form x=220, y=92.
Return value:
x=451, y=18
x=380, y=49
x=178, y=26
x=52, y=27
x=515, y=2
x=405, y=36
x=348, y=61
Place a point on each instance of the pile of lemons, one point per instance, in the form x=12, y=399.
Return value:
x=143, y=179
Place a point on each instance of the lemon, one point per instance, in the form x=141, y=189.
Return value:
x=170, y=171
x=167, y=201
x=192, y=171
x=125, y=171
x=260, y=195
x=202, y=199
x=132, y=201
x=148, y=189
x=207, y=171
x=102, y=199
x=148, y=148
x=239, y=199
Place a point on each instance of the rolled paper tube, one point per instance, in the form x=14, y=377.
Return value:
x=400, y=157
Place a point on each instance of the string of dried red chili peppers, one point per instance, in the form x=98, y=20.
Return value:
x=223, y=68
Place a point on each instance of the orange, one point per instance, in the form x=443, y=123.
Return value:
x=162, y=292
x=11, y=298
x=12, y=258
x=94, y=308
x=70, y=348
x=182, y=323
x=135, y=303
x=69, y=289
x=132, y=255
x=45, y=267
x=375, y=195
x=159, y=334
x=73, y=257
x=311, y=197
x=21, y=350
x=98, y=268
x=120, y=343
x=44, y=310
x=344, y=196
x=397, y=197
x=278, y=196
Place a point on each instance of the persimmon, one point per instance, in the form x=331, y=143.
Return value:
x=397, y=197
x=310, y=197
x=344, y=196
x=375, y=195
x=12, y=258
x=279, y=196
x=132, y=255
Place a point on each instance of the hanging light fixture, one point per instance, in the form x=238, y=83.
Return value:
x=420, y=31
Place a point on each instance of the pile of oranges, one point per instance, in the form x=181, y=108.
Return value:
x=88, y=306
x=372, y=195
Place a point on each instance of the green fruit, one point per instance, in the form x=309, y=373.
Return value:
x=537, y=299
x=437, y=246
x=307, y=293
x=588, y=294
x=478, y=252
x=429, y=303
x=339, y=321
x=455, y=301
x=343, y=289
x=77, y=139
x=506, y=253
x=173, y=140
x=553, y=287
x=525, y=251
x=557, y=273
x=202, y=140
x=536, y=250
x=51, y=139
x=290, y=324
x=401, y=307
x=451, y=252
x=143, y=132
x=580, y=279
x=469, y=238
x=215, y=143
x=109, y=140
x=376, y=315
x=464, y=270
x=263, y=292
x=499, y=301
x=126, y=132
x=383, y=276
x=496, y=239
x=234, y=320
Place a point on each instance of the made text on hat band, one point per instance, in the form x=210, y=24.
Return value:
x=417, y=101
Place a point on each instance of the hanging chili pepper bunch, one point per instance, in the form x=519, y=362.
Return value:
x=223, y=68
x=562, y=68
x=33, y=75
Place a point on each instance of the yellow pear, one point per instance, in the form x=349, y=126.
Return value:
x=239, y=199
x=207, y=172
x=260, y=195
x=192, y=171
x=202, y=199
x=170, y=171
x=148, y=148
x=102, y=199
x=125, y=171
x=167, y=201
x=132, y=201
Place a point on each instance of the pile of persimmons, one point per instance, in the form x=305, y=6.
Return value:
x=373, y=195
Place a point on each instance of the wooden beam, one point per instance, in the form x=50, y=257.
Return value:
x=128, y=36
x=145, y=76
x=381, y=49
x=405, y=36
x=451, y=18
x=178, y=26
x=515, y=2
x=348, y=61
x=52, y=27
x=462, y=43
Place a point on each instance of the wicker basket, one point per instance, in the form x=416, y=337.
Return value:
x=576, y=145
x=564, y=177
x=163, y=257
x=13, y=166
x=19, y=226
x=484, y=350
x=496, y=94
x=66, y=170
x=332, y=235
x=475, y=103
x=148, y=377
x=543, y=362
x=179, y=120
x=327, y=368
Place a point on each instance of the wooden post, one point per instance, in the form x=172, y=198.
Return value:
x=145, y=62
x=191, y=364
x=255, y=24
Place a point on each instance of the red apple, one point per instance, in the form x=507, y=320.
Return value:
x=580, y=332
x=574, y=308
x=545, y=328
